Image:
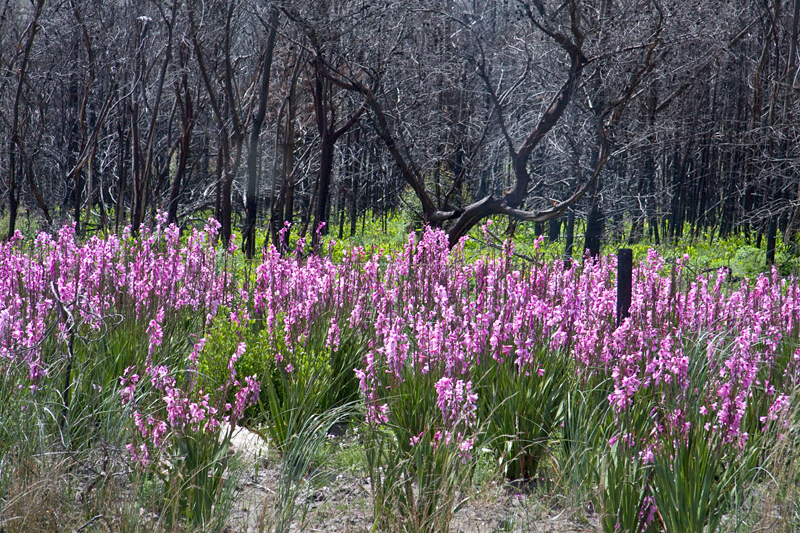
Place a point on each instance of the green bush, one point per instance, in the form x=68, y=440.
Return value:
x=222, y=341
x=268, y=357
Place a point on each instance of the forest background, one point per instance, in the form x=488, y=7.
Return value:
x=669, y=120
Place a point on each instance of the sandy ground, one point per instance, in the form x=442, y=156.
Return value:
x=343, y=503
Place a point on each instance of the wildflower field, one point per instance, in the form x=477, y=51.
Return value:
x=126, y=363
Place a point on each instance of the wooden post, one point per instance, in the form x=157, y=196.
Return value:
x=624, y=282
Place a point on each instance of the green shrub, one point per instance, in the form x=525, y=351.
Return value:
x=273, y=361
x=222, y=340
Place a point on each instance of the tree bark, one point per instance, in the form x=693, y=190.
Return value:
x=141, y=176
x=554, y=230
x=122, y=179
x=771, y=236
x=330, y=132
x=569, y=239
x=791, y=229
x=251, y=197
x=187, y=125
x=14, y=141
x=595, y=226
x=283, y=207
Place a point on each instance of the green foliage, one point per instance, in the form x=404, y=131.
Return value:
x=697, y=471
x=24, y=426
x=416, y=471
x=388, y=233
x=96, y=366
x=688, y=469
x=586, y=421
x=624, y=491
x=748, y=261
x=694, y=474
x=781, y=487
x=303, y=434
x=227, y=331
x=414, y=488
x=198, y=481
x=74, y=414
x=523, y=408
x=292, y=400
x=624, y=470
x=706, y=252
x=267, y=356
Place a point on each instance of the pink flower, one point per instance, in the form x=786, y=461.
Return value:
x=457, y=403
x=245, y=396
x=196, y=413
x=154, y=330
x=198, y=347
x=647, y=456
x=159, y=433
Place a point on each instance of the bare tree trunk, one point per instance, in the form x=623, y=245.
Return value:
x=251, y=197
x=122, y=179
x=791, y=229
x=141, y=180
x=230, y=145
x=14, y=141
x=325, y=111
x=354, y=202
x=284, y=210
x=323, y=188
x=221, y=156
x=595, y=226
x=569, y=239
x=226, y=211
x=771, y=236
x=13, y=195
x=187, y=125
x=83, y=126
x=89, y=189
x=36, y=194
x=554, y=230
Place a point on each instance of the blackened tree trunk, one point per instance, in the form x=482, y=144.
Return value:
x=791, y=228
x=353, y=202
x=226, y=211
x=230, y=144
x=554, y=230
x=251, y=196
x=323, y=187
x=595, y=225
x=187, y=125
x=36, y=193
x=330, y=132
x=122, y=178
x=141, y=175
x=771, y=235
x=283, y=207
x=571, y=41
x=14, y=140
